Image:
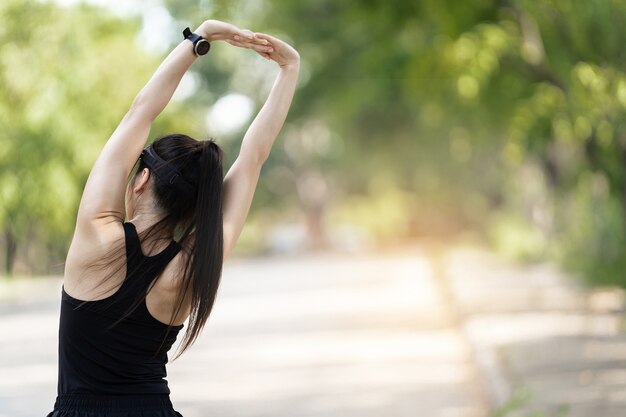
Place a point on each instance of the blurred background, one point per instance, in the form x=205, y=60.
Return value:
x=472, y=154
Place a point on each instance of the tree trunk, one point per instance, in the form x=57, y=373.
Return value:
x=11, y=250
x=623, y=190
x=315, y=227
x=313, y=192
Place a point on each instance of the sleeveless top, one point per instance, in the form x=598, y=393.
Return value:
x=125, y=359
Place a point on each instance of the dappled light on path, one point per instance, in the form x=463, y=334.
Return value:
x=324, y=334
x=452, y=333
x=540, y=337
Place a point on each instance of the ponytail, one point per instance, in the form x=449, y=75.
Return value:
x=197, y=221
x=204, y=268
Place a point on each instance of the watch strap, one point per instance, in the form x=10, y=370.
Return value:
x=195, y=39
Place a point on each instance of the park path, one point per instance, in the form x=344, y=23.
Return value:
x=450, y=333
x=314, y=335
x=545, y=345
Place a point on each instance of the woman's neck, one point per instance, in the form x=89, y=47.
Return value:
x=143, y=220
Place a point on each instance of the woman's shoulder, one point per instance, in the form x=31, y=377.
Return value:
x=90, y=245
x=92, y=252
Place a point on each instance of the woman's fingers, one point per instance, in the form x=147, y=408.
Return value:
x=253, y=40
x=249, y=36
x=247, y=33
x=245, y=38
x=265, y=36
x=266, y=45
x=234, y=43
x=256, y=47
x=285, y=53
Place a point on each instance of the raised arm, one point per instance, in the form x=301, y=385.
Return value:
x=103, y=197
x=241, y=180
x=258, y=140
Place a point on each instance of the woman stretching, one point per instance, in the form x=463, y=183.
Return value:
x=129, y=286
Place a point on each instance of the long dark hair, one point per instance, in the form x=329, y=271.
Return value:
x=196, y=221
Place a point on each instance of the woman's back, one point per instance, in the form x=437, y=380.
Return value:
x=86, y=278
x=98, y=354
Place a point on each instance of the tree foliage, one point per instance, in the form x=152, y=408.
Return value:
x=418, y=118
x=501, y=116
x=67, y=76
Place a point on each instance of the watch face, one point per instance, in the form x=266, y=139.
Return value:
x=202, y=47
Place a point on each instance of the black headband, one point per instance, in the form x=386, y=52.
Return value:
x=166, y=171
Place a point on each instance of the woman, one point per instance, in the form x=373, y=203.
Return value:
x=129, y=286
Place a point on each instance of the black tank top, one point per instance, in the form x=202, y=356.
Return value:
x=126, y=358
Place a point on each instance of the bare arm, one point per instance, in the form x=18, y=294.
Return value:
x=103, y=198
x=259, y=139
x=242, y=178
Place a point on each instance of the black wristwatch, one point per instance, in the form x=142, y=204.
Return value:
x=200, y=45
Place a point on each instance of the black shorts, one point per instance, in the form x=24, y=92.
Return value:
x=83, y=405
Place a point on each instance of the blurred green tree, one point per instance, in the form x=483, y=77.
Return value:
x=505, y=116
x=67, y=76
x=422, y=118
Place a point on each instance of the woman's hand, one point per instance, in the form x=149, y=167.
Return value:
x=280, y=52
x=215, y=30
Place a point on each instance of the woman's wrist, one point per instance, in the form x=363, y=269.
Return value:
x=293, y=63
x=291, y=66
x=202, y=31
x=291, y=58
x=210, y=28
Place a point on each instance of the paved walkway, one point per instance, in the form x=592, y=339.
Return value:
x=452, y=334
x=320, y=335
x=540, y=340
